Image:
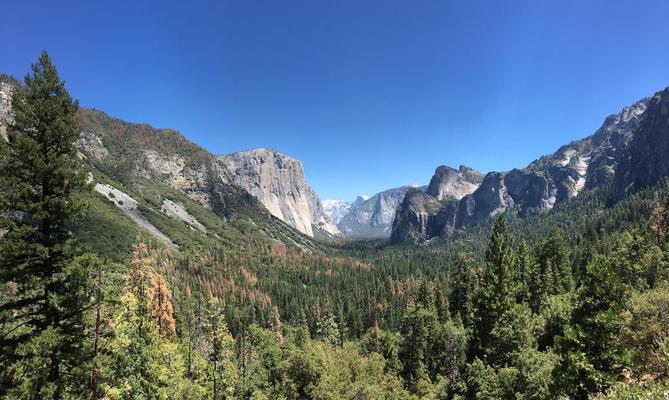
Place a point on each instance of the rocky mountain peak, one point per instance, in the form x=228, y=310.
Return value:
x=453, y=183
x=336, y=209
x=360, y=199
x=613, y=150
x=277, y=181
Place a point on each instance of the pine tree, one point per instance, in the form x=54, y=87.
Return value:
x=525, y=274
x=222, y=371
x=464, y=287
x=593, y=355
x=417, y=327
x=42, y=322
x=497, y=294
x=275, y=324
x=553, y=274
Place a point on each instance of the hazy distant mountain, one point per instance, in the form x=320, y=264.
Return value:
x=372, y=217
x=337, y=209
x=277, y=180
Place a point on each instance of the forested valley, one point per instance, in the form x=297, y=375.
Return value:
x=568, y=303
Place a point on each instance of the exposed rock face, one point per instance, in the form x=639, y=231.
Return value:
x=177, y=211
x=373, y=217
x=646, y=160
x=5, y=107
x=422, y=216
x=137, y=154
x=414, y=220
x=129, y=206
x=278, y=182
x=583, y=164
x=91, y=143
x=453, y=183
x=152, y=163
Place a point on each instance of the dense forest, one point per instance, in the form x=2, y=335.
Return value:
x=569, y=303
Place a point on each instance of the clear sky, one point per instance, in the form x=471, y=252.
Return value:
x=369, y=94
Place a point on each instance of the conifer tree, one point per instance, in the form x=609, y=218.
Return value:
x=497, y=293
x=553, y=274
x=463, y=291
x=222, y=371
x=593, y=356
x=42, y=322
x=525, y=274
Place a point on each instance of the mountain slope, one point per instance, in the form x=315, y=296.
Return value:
x=644, y=162
x=374, y=216
x=277, y=181
x=581, y=165
x=153, y=183
x=422, y=215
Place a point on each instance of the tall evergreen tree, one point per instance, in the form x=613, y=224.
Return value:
x=463, y=289
x=592, y=353
x=42, y=321
x=525, y=274
x=553, y=274
x=497, y=293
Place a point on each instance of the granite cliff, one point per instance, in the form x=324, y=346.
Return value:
x=277, y=181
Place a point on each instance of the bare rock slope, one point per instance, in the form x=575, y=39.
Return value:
x=277, y=181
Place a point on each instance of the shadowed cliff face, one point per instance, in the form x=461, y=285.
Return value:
x=646, y=160
x=277, y=181
x=631, y=146
x=414, y=219
x=423, y=215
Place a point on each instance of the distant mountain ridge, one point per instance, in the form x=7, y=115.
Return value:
x=337, y=209
x=629, y=151
x=127, y=161
x=373, y=217
x=165, y=185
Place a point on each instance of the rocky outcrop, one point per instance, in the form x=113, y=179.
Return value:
x=453, y=183
x=415, y=217
x=177, y=211
x=580, y=165
x=154, y=164
x=277, y=181
x=646, y=160
x=373, y=217
x=433, y=212
x=130, y=207
x=91, y=143
x=5, y=107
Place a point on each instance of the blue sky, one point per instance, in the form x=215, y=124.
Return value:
x=369, y=94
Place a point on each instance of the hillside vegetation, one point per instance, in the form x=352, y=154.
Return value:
x=572, y=302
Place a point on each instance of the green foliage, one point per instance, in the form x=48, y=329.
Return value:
x=593, y=357
x=41, y=325
x=578, y=309
x=497, y=293
x=644, y=332
x=553, y=273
